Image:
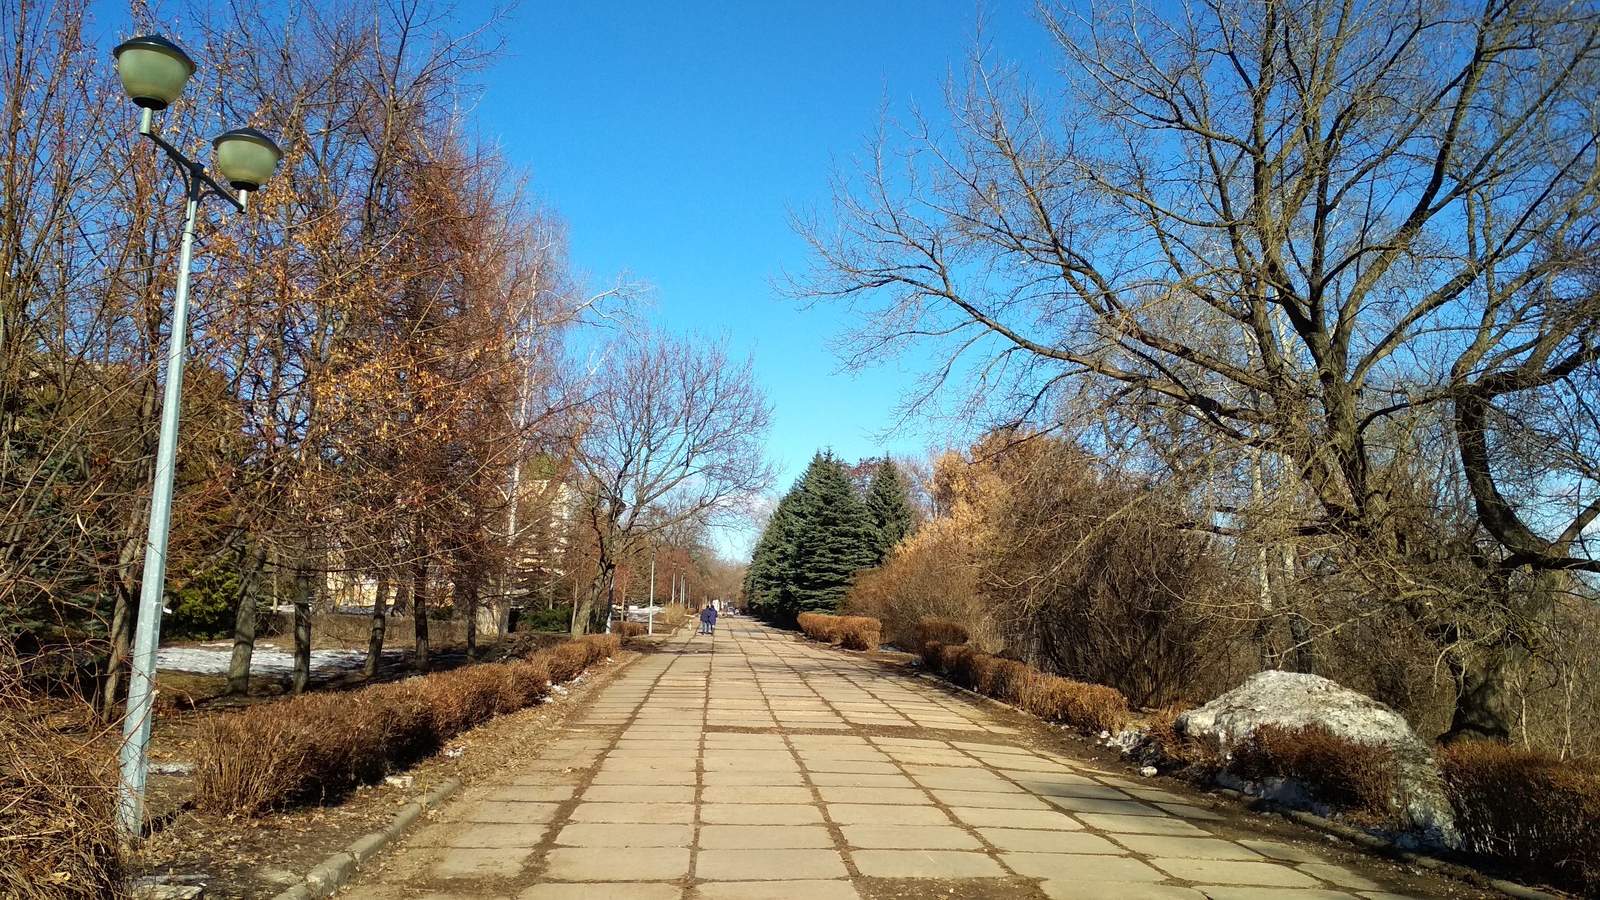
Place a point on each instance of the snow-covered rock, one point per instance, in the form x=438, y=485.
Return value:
x=1295, y=700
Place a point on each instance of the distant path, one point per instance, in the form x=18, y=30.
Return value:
x=750, y=766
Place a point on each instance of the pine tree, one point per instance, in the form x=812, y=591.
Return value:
x=889, y=507
x=832, y=537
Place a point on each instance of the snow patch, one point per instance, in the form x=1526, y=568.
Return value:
x=213, y=659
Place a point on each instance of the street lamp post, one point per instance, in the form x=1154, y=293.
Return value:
x=154, y=72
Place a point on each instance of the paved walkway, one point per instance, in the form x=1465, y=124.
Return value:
x=751, y=766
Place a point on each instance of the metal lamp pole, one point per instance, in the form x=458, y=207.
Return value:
x=154, y=71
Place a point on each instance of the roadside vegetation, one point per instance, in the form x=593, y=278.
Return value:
x=1273, y=330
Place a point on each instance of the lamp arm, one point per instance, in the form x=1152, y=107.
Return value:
x=195, y=175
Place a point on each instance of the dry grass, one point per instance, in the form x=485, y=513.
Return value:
x=58, y=837
x=629, y=629
x=1359, y=779
x=315, y=746
x=671, y=617
x=1531, y=811
x=849, y=632
x=1091, y=707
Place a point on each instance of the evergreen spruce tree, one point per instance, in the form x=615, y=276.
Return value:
x=768, y=577
x=831, y=535
x=889, y=507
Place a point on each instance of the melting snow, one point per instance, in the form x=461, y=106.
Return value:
x=213, y=659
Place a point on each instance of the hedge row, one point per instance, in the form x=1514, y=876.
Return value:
x=849, y=632
x=320, y=745
x=1533, y=812
x=1091, y=707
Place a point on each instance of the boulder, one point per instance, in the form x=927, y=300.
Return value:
x=1295, y=700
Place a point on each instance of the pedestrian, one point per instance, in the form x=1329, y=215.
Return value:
x=705, y=619
x=711, y=620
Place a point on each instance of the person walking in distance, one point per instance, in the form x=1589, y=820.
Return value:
x=705, y=619
x=711, y=621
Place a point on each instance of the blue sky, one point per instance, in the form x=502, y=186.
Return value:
x=674, y=137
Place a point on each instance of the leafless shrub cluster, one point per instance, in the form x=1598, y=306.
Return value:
x=58, y=797
x=1532, y=811
x=849, y=632
x=1089, y=707
x=315, y=746
x=942, y=631
x=1360, y=779
x=1071, y=567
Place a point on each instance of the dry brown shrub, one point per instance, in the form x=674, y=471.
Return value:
x=1172, y=747
x=670, y=617
x=58, y=838
x=943, y=631
x=1531, y=811
x=463, y=699
x=1092, y=707
x=859, y=632
x=567, y=661
x=819, y=627
x=318, y=745
x=527, y=680
x=1088, y=706
x=1361, y=779
x=628, y=629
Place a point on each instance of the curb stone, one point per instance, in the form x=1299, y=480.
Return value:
x=334, y=871
x=1310, y=820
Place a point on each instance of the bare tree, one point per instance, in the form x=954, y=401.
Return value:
x=674, y=434
x=1344, y=235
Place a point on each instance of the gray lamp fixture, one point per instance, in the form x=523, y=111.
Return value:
x=246, y=158
x=153, y=70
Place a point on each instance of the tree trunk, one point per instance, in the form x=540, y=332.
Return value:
x=244, y=620
x=583, y=612
x=469, y=600
x=121, y=637
x=419, y=610
x=1305, y=656
x=380, y=623
x=1484, y=707
x=302, y=629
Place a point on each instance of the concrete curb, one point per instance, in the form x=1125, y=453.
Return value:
x=334, y=871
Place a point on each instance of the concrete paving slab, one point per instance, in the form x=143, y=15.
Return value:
x=1081, y=867
x=762, y=864
x=642, y=813
x=474, y=862
x=764, y=837
x=990, y=817
x=759, y=814
x=1215, y=871
x=909, y=837
x=607, y=864
x=778, y=890
x=1067, y=889
x=926, y=864
x=608, y=834
x=612, y=891
x=1025, y=840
